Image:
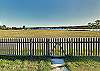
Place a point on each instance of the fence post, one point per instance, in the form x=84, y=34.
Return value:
x=71, y=46
x=30, y=49
x=47, y=47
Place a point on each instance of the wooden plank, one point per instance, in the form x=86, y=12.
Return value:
x=13, y=47
x=33, y=47
x=66, y=46
x=24, y=46
x=91, y=46
x=84, y=47
x=21, y=46
x=36, y=46
x=47, y=46
x=62, y=47
x=39, y=46
x=8, y=46
x=69, y=46
x=17, y=46
x=42, y=46
x=64, y=50
x=40, y=40
x=4, y=45
x=74, y=47
x=0, y=46
x=79, y=45
x=53, y=46
x=88, y=46
x=99, y=47
x=96, y=46
x=59, y=46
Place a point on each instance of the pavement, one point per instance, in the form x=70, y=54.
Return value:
x=57, y=67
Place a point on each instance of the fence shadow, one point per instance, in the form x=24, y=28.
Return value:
x=39, y=58
x=22, y=58
x=82, y=58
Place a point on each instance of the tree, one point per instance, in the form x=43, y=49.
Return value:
x=92, y=26
x=23, y=27
x=89, y=25
x=4, y=27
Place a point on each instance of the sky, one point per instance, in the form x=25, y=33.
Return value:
x=32, y=13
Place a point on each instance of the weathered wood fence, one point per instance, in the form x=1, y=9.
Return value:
x=82, y=46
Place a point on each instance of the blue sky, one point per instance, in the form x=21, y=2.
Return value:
x=48, y=12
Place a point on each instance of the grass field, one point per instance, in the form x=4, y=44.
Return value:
x=24, y=65
x=47, y=33
x=83, y=63
x=74, y=64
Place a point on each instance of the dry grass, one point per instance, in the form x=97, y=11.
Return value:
x=47, y=33
x=83, y=63
x=26, y=65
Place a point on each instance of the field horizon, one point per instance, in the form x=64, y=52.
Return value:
x=46, y=34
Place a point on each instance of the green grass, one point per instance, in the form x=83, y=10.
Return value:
x=83, y=63
x=25, y=65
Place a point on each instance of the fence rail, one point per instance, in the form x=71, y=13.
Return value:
x=82, y=46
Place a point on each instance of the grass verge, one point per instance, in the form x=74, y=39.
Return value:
x=83, y=63
x=12, y=64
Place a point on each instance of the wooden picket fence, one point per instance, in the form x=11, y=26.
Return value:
x=74, y=46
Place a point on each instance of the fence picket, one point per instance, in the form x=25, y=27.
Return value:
x=80, y=46
x=98, y=46
x=95, y=46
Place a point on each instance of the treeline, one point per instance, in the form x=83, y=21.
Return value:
x=4, y=27
x=95, y=25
